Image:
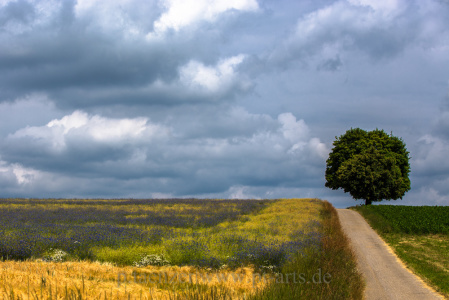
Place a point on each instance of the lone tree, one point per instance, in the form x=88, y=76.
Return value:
x=370, y=165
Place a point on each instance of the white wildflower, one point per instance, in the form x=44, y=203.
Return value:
x=152, y=260
x=55, y=255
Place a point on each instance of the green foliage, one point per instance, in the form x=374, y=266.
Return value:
x=184, y=251
x=124, y=256
x=369, y=165
x=408, y=219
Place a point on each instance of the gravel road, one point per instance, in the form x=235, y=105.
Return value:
x=386, y=276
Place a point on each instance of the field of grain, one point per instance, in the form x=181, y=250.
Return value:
x=150, y=249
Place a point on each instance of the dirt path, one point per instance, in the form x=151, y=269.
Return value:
x=386, y=277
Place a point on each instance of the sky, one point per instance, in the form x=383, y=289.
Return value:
x=216, y=98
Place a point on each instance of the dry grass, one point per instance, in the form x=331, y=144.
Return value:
x=339, y=259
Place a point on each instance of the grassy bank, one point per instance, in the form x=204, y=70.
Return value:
x=333, y=258
x=419, y=236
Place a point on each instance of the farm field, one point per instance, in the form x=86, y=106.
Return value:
x=157, y=249
x=419, y=236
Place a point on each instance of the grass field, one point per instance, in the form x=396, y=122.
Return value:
x=169, y=249
x=419, y=236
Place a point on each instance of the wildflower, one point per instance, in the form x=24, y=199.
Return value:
x=55, y=255
x=153, y=260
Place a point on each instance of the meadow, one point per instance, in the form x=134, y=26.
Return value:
x=169, y=249
x=419, y=235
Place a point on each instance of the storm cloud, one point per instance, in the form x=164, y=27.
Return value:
x=216, y=98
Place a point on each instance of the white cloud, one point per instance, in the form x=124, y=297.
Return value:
x=319, y=148
x=17, y=173
x=182, y=13
x=292, y=130
x=92, y=129
x=76, y=120
x=297, y=133
x=211, y=78
x=195, y=82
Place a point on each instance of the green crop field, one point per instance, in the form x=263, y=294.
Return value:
x=173, y=249
x=419, y=236
x=411, y=219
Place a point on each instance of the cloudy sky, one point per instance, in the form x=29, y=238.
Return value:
x=216, y=98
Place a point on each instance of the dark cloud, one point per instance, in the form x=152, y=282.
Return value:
x=442, y=126
x=275, y=152
x=228, y=99
x=379, y=30
x=86, y=61
x=332, y=64
x=16, y=12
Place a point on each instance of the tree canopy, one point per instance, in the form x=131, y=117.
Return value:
x=370, y=165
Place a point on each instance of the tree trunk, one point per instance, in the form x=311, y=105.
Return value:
x=367, y=201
